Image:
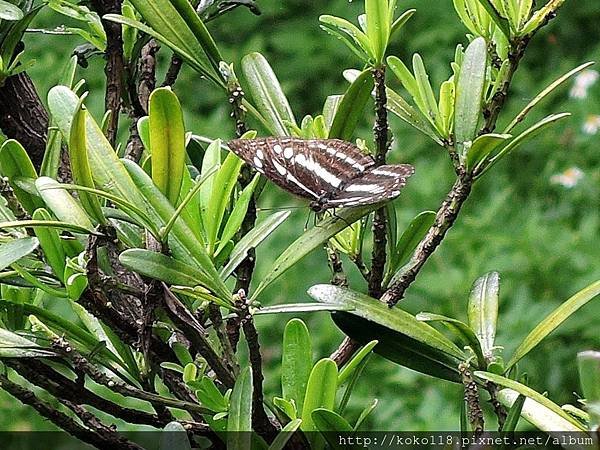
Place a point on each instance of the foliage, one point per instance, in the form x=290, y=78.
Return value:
x=166, y=235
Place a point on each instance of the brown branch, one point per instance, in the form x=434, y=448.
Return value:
x=60, y=419
x=338, y=276
x=23, y=116
x=499, y=409
x=198, y=336
x=474, y=411
x=260, y=421
x=115, y=64
x=381, y=134
x=173, y=71
x=58, y=385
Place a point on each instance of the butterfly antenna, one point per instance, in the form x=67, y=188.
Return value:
x=333, y=214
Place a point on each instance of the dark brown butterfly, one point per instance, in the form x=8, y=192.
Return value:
x=330, y=172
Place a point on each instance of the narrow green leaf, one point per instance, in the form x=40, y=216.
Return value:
x=239, y=420
x=356, y=360
x=350, y=110
x=401, y=336
x=589, y=375
x=400, y=21
x=446, y=107
x=14, y=250
x=426, y=91
x=540, y=17
x=14, y=346
x=296, y=362
x=14, y=164
x=320, y=391
x=514, y=414
x=359, y=43
x=404, y=248
x=563, y=420
x=51, y=244
x=365, y=413
x=310, y=240
x=267, y=93
x=378, y=27
x=251, y=240
x=542, y=95
x=236, y=218
x=469, y=93
x=518, y=140
x=406, y=78
x=295, y=308
x=553, y=321
x=285, y=434
x=482, y=148
x=327, y=421
x=80, y=166
x=167, y=142
x=45, y=223
x=330, y=108
x=61, y=203
x=500, y=21
x=164, y=268
x=483, y=310
x=223, y=185
x=461, y=330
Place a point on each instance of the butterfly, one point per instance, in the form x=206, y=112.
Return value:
x=330, y=172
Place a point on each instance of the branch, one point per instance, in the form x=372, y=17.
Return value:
x=474, y=411
x=23, y=116
x=173, y=71
x=381, y=134
x=63, y=421
x=260, y=421
x=338, y=276
x=115, y=64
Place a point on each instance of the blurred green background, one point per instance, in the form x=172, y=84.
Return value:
x=534, y=218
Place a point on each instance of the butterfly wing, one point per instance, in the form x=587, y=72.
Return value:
x=375, y=185
x=310, y=168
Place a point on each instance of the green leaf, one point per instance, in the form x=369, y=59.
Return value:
x=542, y=95
x=357, y=42
x=400, y=21
x=310, y=240
x=164, y=268
x=239, y=420
x=296, y=362
x=223, y=185
x=406, y=78
x=426, y=94
x=483, y=147
x=365, y=413
x=14, y=164
x=61, y=203
x=404, y=248
x=174, y=436
x=14, y=346
x=355, y=362
x=446, y=107
x=560, y=418
x=285, y=434
x=51, y=244
x=295, y=308
x=541, y=16
x=167, y=142
x=483, y=310
x=553, y=321
x=320, y=391
x=469, y=93
x=286, y=406
x=589, y=375
x=80, y=165
x=251, y=240
x=330, y=108
x=330, y=424
x=514, y=414
x=464, y=333
x=266, y=91
x=14, y=250
x=500, y=21
x=527, y=134
x=378, y=27
x=8, y=11
x=236, y=218
x=209, y=395
x=402, y=338
x=350, y=109
x=48, y=224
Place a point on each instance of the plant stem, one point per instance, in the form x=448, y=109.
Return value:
x=499, y=409
x=60, y=419
x=115, y=64
x=474, y=411
x=260, y=421
x=381, y=134
x=338, y=277
x=173, y=71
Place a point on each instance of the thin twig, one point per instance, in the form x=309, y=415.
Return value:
x=381, y=134
x=115, y=64
x=474, y=411
x=499, y=409
x=260, y=421
x=63, y=421
x=173, y=71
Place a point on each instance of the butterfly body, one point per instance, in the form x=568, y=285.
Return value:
x=330, y=172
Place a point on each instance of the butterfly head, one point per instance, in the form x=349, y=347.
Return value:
x=320, y=204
